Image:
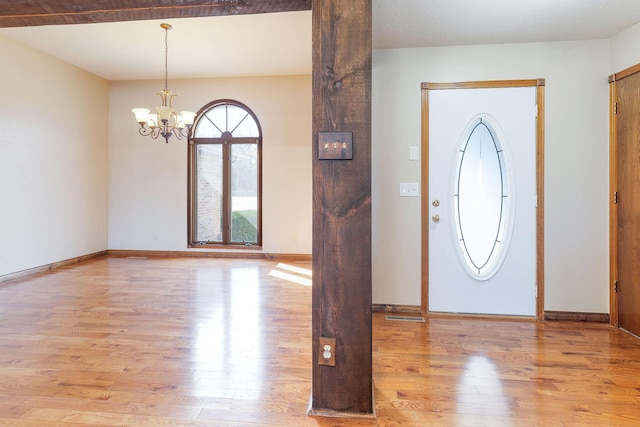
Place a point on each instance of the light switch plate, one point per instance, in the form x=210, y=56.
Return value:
x=409, y=189
x=335, y=146
x=414, y=152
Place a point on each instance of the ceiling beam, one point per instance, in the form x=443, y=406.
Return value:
x=59, y=12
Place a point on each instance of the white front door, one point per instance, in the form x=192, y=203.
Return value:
x=482, y=200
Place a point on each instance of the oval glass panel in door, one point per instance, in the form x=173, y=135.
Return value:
x=481, y=199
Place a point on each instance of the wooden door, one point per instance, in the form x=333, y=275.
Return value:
x=627, y=199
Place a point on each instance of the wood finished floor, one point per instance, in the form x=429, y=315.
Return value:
x=209, y=342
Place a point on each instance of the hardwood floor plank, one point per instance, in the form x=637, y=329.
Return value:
x=227, y=342
x=47, y=415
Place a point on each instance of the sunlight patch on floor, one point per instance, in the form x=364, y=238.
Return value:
x=302, y=276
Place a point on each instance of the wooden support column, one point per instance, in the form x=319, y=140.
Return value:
x=342, y=207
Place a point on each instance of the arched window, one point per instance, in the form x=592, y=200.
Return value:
x=225, y=185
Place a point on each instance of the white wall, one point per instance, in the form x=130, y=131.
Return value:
x=625, y=49
x=53, y=170
x=576, y=162
x=148, y=178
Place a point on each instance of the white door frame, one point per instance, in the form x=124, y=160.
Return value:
x=539, y=84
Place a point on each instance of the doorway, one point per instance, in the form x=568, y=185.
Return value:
x=482, y=214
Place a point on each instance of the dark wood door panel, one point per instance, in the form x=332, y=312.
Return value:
x=628, y=218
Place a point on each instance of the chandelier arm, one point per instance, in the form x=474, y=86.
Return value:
x=179, y=133
x=155, y=133
x=144, y=131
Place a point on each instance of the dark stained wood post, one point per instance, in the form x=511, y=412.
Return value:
x=342, y=208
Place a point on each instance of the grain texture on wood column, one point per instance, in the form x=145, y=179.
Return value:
x=342, y=207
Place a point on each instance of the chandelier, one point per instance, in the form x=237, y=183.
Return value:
x=166, y=121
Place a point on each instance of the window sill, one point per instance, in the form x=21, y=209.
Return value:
x=225, y=247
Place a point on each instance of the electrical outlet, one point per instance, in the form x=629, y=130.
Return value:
x=327, y=351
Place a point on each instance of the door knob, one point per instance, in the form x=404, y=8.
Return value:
x=436, y=203
x=435, y=218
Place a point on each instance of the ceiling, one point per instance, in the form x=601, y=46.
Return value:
x=242, y=45
x=280, y=43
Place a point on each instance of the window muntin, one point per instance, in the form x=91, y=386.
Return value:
x=482, y=199
x=227, y=118
x=225, y=176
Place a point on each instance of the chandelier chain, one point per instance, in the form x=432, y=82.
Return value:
x=166, y=58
